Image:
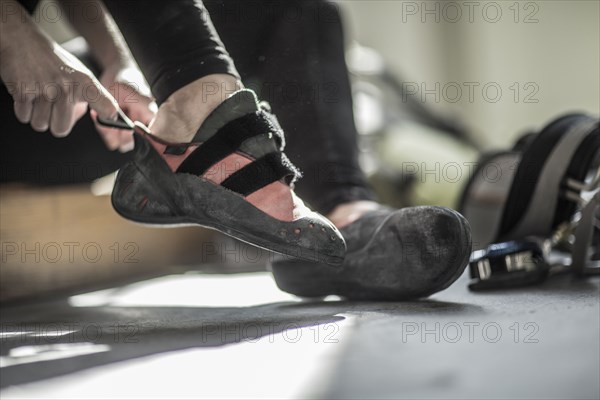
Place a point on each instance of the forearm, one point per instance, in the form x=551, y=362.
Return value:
x=101, y=33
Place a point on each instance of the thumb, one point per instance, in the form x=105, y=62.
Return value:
x=103, y=103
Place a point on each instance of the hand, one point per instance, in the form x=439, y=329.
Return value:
x=128, y=87
x=51, y=88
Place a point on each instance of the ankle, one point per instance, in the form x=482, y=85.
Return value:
x=347, y=213
x=180, y=116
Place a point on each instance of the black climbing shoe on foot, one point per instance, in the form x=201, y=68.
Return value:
x=233, y=177
x=392, y=255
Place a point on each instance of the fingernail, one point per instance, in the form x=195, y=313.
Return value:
x=41, y=128
x=60, y=134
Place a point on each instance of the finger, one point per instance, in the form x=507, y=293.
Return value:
x=109, y=136
x=79, y=111
x=23, y=110
x=62, y=118
x=126, y=141
x=111, y=139
x=101, y=101
x=143, y=114
x=40, y=116
x=127, y=147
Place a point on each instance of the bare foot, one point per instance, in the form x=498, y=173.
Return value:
x=347, y=213
x=180, y=116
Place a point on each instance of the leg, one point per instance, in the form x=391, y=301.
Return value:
x=183, y=59
x=293, y=53
x=231, y=142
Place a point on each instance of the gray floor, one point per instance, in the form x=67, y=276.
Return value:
x=207, y=336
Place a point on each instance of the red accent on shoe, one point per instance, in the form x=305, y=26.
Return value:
x=274, y=199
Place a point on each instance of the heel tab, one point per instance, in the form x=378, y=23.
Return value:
x=239, y=104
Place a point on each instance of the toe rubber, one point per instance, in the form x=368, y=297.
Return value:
x=392, y=255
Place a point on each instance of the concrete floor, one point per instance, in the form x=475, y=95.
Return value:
x=212, y=336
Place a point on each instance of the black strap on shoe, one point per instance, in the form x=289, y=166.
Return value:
x=226, y=141
x=268, y=168
x=260, y=173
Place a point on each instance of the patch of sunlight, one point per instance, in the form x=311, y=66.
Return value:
x=32, y=354
x=239, y=290
x=7, y=335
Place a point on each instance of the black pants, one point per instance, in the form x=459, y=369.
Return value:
x=290, y=52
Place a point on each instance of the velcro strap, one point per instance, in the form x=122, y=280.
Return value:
x=229, y=139
x=276, y=129
x=176, y=150
x=260, y=173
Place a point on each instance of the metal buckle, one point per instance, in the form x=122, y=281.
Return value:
x=509, y=264
x=580, y=232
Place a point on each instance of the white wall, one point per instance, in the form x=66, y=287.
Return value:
x=559, y=54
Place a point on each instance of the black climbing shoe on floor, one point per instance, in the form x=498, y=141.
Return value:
x=234, y=166
x=392, y=255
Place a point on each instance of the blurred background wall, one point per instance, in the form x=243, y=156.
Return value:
x=551, y=49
